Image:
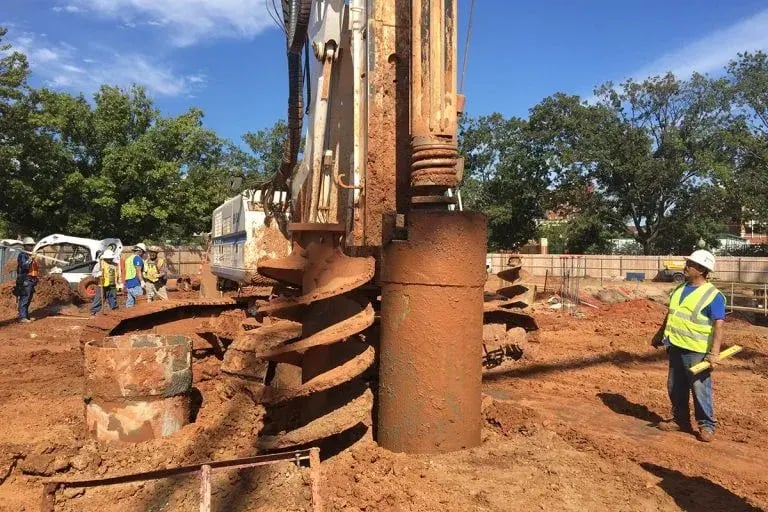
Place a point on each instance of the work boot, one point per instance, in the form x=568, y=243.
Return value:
x=706, y=435
x=25, y=320
x=674, y=426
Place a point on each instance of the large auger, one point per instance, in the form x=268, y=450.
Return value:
x=506, y=326
x=308, y=362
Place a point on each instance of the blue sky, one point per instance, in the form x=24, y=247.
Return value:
x=227, y=57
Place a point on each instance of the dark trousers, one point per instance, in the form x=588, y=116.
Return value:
x=28, y=291
x=110, y=294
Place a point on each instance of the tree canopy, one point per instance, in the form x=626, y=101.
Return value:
x=110, y=166
x=666, y=160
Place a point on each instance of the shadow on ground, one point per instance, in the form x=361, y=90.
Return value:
x=620, y=405
x=617, y=357
x=697, y=493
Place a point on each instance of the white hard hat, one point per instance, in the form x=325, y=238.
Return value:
x=140, y=246
x=108, y=255
x=28, y=240
x=704, y=258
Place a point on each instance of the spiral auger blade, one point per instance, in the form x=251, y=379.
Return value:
x=506, y=326
x=319, y=332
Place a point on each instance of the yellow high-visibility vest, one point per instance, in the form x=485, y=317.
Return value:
x=108, y=274
x=686, y=326
x=151, y=269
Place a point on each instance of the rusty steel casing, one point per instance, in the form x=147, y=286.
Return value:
x=137, y=387
x=431, y=334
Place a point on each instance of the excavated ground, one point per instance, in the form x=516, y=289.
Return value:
x=566, y=429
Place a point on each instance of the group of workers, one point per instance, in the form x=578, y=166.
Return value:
x=137, y=275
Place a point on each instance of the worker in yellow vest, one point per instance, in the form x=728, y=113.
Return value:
x=692, y=332
x=134, y=275
x=155, y=275
x=106, y=270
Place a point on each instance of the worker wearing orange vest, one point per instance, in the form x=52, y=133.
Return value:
x=27, y=274
x=155, y=275
x=106, y=271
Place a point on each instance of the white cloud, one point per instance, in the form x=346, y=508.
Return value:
x=709, y=54
x=64, y=66
x=713, y=51
x=186, y=21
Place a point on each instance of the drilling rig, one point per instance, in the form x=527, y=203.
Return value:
x=376, y=323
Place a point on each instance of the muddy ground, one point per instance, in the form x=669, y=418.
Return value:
x=569, y=427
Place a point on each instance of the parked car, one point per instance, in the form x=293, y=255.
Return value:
x=74, y=257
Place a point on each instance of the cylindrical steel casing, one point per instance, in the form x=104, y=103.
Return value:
x=431, y=334
x=137, y=386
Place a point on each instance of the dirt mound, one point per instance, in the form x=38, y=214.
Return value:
x=50, y=291
x=642, y=307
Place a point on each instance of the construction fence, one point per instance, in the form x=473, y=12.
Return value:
x=181, y=260
x=619, y=267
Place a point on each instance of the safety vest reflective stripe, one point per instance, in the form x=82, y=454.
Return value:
x=691, y=318
x=708, y=297
x=689, y=334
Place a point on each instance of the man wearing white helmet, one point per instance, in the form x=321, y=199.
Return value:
x=155, y=275
x=27, y=274
x=692, y=333
x=134, y=275
x=106, y=271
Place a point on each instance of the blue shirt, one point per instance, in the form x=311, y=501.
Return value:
x=138, y=262
x=715, y=310
x=23, y=262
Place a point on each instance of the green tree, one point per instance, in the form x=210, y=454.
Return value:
x=504, y=177
x=267, y=146
x=746, y=142
x=641, y=155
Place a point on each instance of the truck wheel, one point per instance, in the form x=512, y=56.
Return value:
x=87, y=288
x=678, y=277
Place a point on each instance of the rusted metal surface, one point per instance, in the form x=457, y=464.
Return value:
x=266, y=242
x=347, y=317
x=352, y=368
x=137, y=386
x=387, y=151
x=433, y=96
x=431, y=334
x=126, y=320
x=356, y=412
x=244, y=356
x=328, y=272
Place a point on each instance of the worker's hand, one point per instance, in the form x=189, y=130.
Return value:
x=714, y=359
